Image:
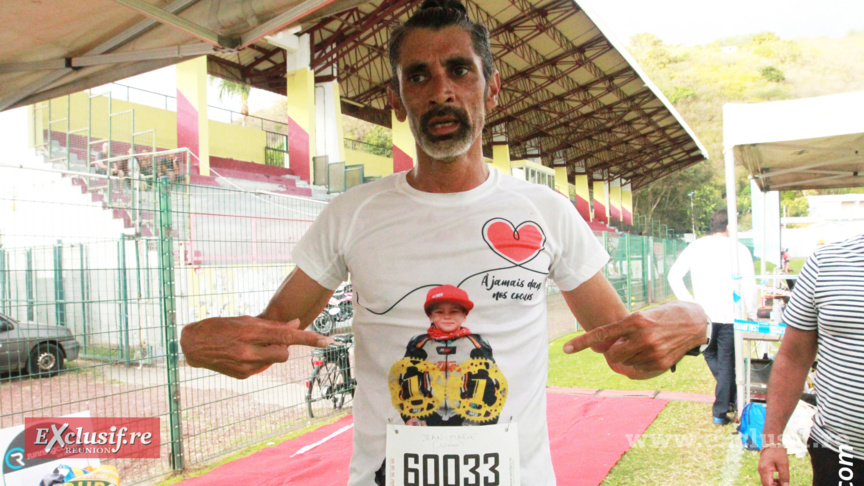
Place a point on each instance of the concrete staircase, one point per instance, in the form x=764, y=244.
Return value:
x=115, y=197
x=248, y=176
x=138, y=216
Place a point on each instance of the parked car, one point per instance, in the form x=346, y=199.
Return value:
x=38, y=348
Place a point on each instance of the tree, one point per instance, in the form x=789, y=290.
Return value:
x=651, y=51
x=795, y=203
x=669, y=203
x=379, y=138
x=229, y=89
x=773, y=74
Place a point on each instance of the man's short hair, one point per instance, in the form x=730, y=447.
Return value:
x=719, y=221
x=437, y=14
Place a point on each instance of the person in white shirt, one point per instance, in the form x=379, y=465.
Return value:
x=709, y=262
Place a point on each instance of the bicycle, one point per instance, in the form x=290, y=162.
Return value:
x=339, y=310
x=331, y=378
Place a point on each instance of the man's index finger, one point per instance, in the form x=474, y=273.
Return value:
x=600, y=335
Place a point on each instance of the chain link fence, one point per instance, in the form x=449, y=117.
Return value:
x=123, y=262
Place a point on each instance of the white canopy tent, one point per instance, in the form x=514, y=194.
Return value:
x=809, y=143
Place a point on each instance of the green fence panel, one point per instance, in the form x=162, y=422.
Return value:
x=169, y=324
x=638, y=266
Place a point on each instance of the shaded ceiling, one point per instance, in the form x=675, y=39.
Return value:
x=807, y=143
x=570, y=95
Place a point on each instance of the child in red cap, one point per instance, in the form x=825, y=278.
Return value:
x=448, y=357
x=447, y=307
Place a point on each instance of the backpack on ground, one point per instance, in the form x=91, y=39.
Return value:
x=752, y=425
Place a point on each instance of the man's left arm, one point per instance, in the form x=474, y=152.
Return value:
x=640, y=345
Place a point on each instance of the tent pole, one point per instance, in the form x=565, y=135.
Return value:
x=732, y=209
x=763, y=267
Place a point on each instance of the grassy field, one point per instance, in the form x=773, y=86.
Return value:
x=795, y=265
x=682, y=446
x=589, y=370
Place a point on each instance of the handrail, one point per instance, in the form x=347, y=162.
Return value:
x=362, y=146
x=169, y=97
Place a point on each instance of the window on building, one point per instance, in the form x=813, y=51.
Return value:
x=533, y=175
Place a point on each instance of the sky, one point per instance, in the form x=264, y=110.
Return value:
x=687, y=22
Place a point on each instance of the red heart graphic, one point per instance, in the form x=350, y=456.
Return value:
x=519, y=244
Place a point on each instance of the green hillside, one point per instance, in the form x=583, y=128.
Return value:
x=699, y=80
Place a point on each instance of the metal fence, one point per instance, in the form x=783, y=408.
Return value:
x=638, y=266
x=169, y=103
x=276, y=149
x=72, y=255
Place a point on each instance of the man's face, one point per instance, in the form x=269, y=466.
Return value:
x=442, y=91
x=447, y=317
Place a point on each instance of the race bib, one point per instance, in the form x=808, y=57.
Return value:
x=485, y=455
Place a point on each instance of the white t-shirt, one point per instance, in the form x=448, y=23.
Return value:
x=709, y=261
x=498, y=242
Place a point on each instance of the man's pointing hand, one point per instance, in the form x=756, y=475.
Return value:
x=645, y=344
x=243, y=346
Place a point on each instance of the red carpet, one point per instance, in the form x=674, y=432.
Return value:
x=587, y=434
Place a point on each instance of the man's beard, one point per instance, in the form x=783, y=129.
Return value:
x=446, y=147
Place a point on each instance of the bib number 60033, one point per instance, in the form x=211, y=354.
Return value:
x=451, y=470
x=479, y=455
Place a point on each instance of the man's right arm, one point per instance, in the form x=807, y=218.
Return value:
x=243, y=346
x=749, y=289
x=789, y=371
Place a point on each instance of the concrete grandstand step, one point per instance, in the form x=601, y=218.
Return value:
x=253, y=185
x=249, y=167
x=77, y=158
x=199, y=180
x=239, y=174
x=250, y=184
x=250, y=176
x=123, y=215
x=320, y=193
x=597, y=226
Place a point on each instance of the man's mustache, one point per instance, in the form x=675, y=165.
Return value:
x=445, y=111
